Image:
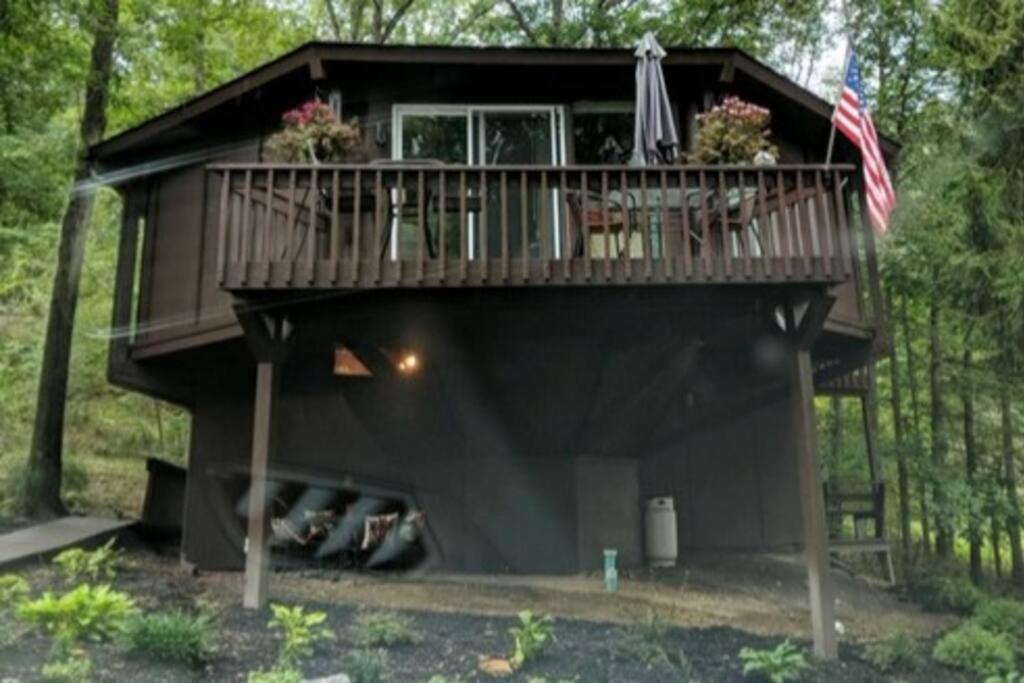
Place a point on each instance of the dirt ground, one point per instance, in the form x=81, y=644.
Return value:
x=717, y=604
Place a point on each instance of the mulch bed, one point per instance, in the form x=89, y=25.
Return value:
x=584, y=651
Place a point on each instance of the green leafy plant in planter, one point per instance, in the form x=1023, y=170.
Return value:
x=971, y=648
x=733, y=132
x=172, y=636
x=88, y=613
x=102, y=563
x=313, y=134
x=530, y=636
x=785, y=662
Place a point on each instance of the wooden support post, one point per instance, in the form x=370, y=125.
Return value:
x=257, y=558
x=869, y=410
x=812, y=499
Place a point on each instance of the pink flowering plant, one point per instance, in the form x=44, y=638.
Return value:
x=733, y=132
x=313, y=134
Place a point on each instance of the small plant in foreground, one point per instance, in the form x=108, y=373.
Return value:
x=102, y=563
x=785, y=662
x=439, y=678
x=644, y=639
x=971, y=648
x=275, y=676
x=897, y=653
x=530, y=636
x=172, y=637
x=73, y=668
x=366, y=666
x=383, y=629
x=299, y=631
x=1012, y=677
x=1005, y=617
x=14, y=591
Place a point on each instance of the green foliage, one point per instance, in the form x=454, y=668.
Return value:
x=530, y=636
x=971, y=648
x=950, y=594
x=366, y=666
x=299, y=632
x=1012, y=677
x=14, y=591
x=88, y=613
x=1004, y=617
x=73, y=668
x=173, y=636
x=644, y=638
x=785, y=662
x=439, y=678
x=275, y=675
x=383, y=629
x=95, y=565
x=898, y=653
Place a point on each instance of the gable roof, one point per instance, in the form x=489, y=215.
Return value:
x=312, y=56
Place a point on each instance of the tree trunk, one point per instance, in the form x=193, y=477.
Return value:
x=943, y=532
x=835, y=430
x=1010, y=477
x=971, y=462
x=997, y=551
x=902, y=475
x=915, y=410
x=41, y=495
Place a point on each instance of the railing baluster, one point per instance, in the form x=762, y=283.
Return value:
x=784, y=226
x=745, y=219
x=567, y=247
x=463, y=236
x=824, y=223
x=246, y=225
x=764, y=226
x=291, y=228
x=503, y=192
x=314, y=198
x=484, y=233
x=645, y=212
x=723, y=212
x=545, y=228
x=421, y=229
x=379, y=245
x=266, y=252
x=842, y=223
x=524, y=228
x=357, y=182
x=335, y=225
x=584, y=199
x=607, y=226
x=222, y=234
x=707, y=243
x=666, y=253
x=626, y=255
x=807, y=241
x=396, y=222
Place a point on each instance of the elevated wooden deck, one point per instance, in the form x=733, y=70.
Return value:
x=423, y=225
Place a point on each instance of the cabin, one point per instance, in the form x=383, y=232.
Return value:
x=492, y=334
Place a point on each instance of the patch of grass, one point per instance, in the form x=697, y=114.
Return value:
x=366, y=666
x=644, y=638
x=971, y=648
x=784, y=662
x=172, y=637
x=1005, y=617
x=898, y=653
x=383, y=629
x=275, y=676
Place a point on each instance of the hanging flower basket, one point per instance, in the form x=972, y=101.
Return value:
x=734, y=132
x=313, y=134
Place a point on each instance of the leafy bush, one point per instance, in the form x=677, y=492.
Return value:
x=14, y=591
x=102, y=563
x=530, y=637
x=172, y=637
x=782, y=663
x=644, y=639
x=73, y=668
x=1012, y=677
x=897, y=653
x=1005, y=617
x=383, y=629
x=86, y=613
x=366, y=666
x=970, y=647
x=299, y=632
x=950, y=594
x=275, y=676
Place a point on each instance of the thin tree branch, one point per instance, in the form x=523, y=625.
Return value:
x=524, y=26
x=395, y=19
x=332, y=15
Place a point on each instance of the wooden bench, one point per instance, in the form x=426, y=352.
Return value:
x=878, y=546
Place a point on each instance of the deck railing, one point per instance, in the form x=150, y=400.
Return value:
x=407, y=225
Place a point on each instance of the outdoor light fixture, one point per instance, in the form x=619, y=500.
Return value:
x=408, y=363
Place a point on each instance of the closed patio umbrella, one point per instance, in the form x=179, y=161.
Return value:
x=654, y=131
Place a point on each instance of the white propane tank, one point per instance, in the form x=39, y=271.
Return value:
x=660, y=538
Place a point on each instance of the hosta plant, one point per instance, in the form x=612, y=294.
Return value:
x=95, y=565
x=785, y=662
x=530, y=636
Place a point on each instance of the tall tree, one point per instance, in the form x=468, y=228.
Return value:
x=42, y=496
x=896, y=398
x=971, y=460
x=943, y=523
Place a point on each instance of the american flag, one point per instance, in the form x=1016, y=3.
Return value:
x=853, y=120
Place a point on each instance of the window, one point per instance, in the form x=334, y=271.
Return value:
x=603, y=132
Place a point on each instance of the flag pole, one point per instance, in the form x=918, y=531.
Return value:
x=832, y=132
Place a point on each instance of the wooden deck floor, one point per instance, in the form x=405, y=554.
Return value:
x=44, y=539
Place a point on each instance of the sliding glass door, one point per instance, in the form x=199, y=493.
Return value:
x=489, y=136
